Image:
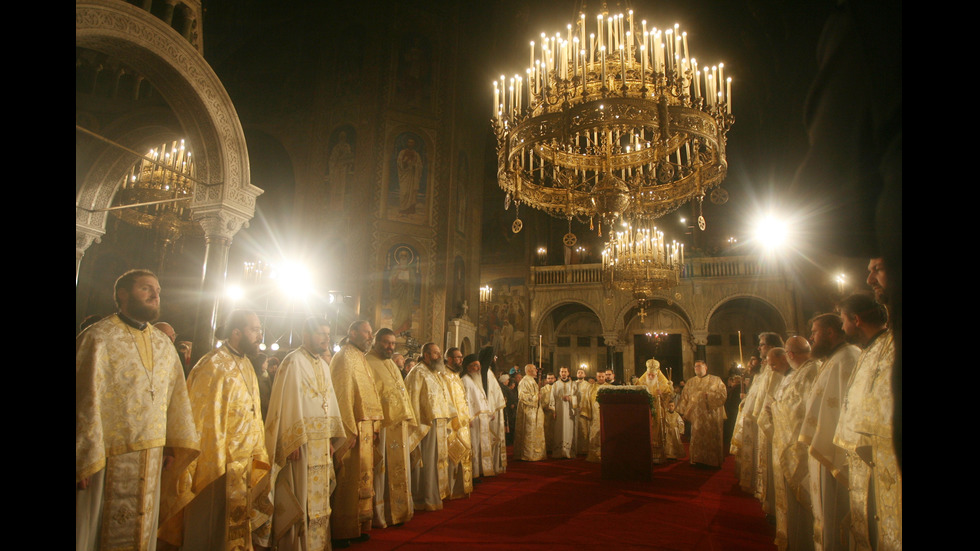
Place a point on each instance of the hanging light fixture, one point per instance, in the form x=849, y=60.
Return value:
x=640, y=260
x=155, y=186
x=612, y=119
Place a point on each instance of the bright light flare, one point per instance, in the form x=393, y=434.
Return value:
x=234, y=292
x=295, y=280
x=771, y=232
x=274, y=346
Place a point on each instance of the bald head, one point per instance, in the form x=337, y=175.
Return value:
x=777, y=360
x=797, y=351
x=167, y=330
x=530, y=370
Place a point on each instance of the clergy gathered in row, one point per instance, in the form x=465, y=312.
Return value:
x=348, y=443
x=813, y=438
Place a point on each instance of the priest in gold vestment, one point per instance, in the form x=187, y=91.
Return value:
x=434, y=410
x=703, y=404
x=398, y=437
x=583, y=388
x=548, y=407
x=460, y=466
x=745, y=437
x=595, y=421
x=529, y=444
x=794, y=517
x=662, y=391
x=302, y=429
x=864, y=431
x=223, y=480
x=132, y=420
x=360, y=409
x=673, y=447
x=764, y=474
x=828, y=497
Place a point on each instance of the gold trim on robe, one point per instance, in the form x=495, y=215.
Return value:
x=362, y=415
x=130, y=402
x=224, y=395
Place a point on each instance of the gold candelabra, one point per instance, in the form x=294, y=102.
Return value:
x=619, y=121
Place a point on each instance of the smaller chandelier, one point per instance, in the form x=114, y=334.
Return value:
x=641, y=261
x=165, y=174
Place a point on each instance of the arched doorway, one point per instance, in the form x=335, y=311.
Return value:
x=661, y=331
x=748, y=315
x=572, y=337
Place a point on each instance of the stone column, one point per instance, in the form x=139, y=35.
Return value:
x=84, y=237
x=612, y=345
x=700, y=338
x=219, y=228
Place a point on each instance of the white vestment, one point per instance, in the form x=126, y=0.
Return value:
x=480, y=432
x=829, y=499
x=566, y=413
x=304, y=417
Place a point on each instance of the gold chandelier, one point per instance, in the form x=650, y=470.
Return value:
x=641, y=261
x=154, y=185
x=610, y=121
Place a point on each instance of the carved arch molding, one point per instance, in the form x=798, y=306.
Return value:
x=200, y=103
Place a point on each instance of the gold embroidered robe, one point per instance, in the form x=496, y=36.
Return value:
x=398, y=437
x=673, y=447
x=790, y=469
x=829, y=499
x=662, y=391
x=529, y=444
x=430, y=460
x=745, y=437
x=459, y=441
x=121, y=430
x=763, y=456
x=224, y=396
x=548, y=407
x=361, y=412
x=303, y=415
x=585, y=391
x=703, y=403
x=864, y=432
x=595, y=426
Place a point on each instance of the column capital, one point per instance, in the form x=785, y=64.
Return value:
x=700, y=337
x=220, y=224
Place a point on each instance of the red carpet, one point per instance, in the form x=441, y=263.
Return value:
x=564, y=504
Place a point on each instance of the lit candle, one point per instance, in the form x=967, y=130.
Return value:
x=591, y=51
x=622, y=63
x=602, y=58
x=643, y=66
x=599, y=23
x=630, y=34
x=721, y=75
x=697, y=78
x=728, y=94
x=496, y=98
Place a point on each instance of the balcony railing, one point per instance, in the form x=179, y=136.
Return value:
x=725, y=266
